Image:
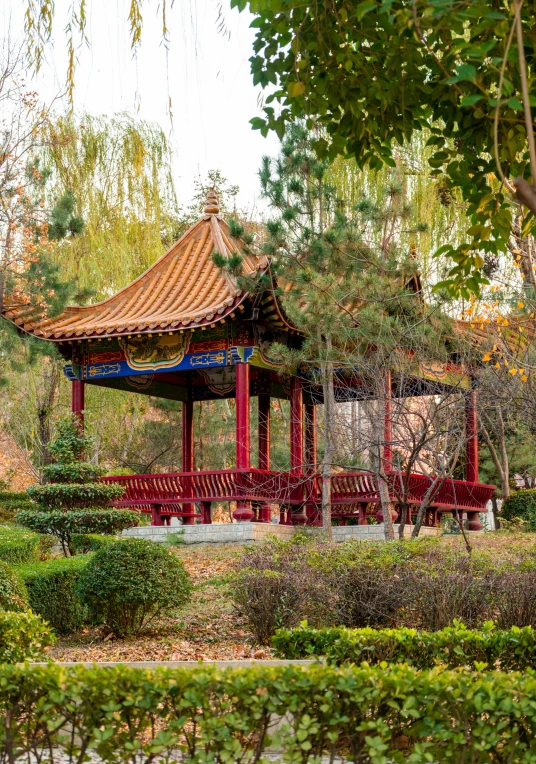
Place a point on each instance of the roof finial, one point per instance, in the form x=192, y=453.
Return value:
x=212, y=207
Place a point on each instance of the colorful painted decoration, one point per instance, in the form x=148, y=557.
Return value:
x=150, y=352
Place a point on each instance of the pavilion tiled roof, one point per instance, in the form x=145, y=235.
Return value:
x=183, y=289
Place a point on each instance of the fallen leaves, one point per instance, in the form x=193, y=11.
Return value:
x=208, y=629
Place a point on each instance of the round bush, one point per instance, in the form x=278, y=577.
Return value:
x=521, y=504
x=130, y=582
x=13, y=592
x=18, y=545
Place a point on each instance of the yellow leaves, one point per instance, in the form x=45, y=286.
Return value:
x=512, y=371
x=524, y=378
x=520, y=305
x=295, y=89
x=486, y=357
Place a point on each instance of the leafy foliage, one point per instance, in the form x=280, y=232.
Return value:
x=77, y=472
x=78, y=505
x=13, y=593
x=458, y=67
x=52, y=591
x=521, y=504
x=23, y=637
x=18, y=545
x=10, y=502
x=379, y=714
x=64, y=523
x=130, y=582
x=454, y=646
x=83, y=543
x=74, y=495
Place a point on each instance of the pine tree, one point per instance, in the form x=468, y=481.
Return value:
x=71, y=499
x=355, y=293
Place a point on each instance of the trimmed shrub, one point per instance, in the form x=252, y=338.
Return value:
x=13, y=592
x=362, y=714
x=52, y=591
x=23, y=637
x=65, y=523
x=78, y=473
x=522, y=505
x=69, y=495
x=455, y=646
x=130, y=582
x=82, y=543
x=75, y=502
x=18, y=545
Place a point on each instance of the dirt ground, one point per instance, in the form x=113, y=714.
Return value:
x=207, y=629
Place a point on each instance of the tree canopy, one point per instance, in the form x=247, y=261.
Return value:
x=373, y=73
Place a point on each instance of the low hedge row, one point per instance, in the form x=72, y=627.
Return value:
x=52, y=591
x=510, y=650
x=366, y=714
x=23, y=637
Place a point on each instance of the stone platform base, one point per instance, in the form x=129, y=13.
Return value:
x=247, y=533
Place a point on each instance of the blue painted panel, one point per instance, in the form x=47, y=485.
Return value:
x=191, y=361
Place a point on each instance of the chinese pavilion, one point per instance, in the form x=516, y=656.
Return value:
x=186, y=331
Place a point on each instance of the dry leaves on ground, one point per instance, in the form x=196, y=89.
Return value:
x=208, y=629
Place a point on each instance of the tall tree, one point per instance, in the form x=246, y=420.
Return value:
x=353, y=289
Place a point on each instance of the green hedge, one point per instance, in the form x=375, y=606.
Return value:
x=366, y=714
x=511, y=650
x=13, y=592
x=18, y=545
x=23, y=637
x=69, y=495
x=11, y=502
x=52, y=591
x=82, y=543
x=521, y=504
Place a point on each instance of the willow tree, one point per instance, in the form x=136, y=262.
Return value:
x=115, y=174
x=119, y=171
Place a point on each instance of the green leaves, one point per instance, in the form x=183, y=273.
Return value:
x=465, y=72
x=380, y=714
x=394, y=74
x=453, y=647
x=23, y=637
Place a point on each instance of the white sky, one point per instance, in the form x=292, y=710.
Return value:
x=207, y=78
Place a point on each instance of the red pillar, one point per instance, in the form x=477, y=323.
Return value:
x=299, y=516
x=77, y=400
x=471, y=436
x=264, y=447
x=243, y=511
x=188, y=456
x=310, y=437
x=388, y=425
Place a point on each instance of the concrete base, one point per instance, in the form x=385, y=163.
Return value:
x=247, y=533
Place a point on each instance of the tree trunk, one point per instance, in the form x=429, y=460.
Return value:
x=45, y=405
x=385, y=499
x=327, y=389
